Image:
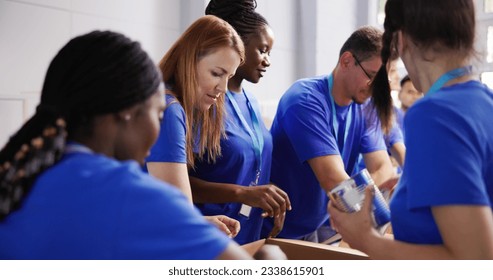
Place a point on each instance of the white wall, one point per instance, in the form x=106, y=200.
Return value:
x=309, y=34
x=32, y=32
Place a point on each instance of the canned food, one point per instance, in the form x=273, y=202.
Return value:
x=350, y=194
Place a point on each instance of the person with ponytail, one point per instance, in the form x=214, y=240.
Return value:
x=394, y=137
x=442, y=205
x=237, y=183
x=71, y=184
x=319, y=131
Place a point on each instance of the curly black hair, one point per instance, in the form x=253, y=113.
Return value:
x=240, y=14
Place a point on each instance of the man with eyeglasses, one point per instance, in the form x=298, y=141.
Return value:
x=318, y=132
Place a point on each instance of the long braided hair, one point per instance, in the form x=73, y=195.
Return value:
x=94, y=74
x=435, y=24
x=240, y=14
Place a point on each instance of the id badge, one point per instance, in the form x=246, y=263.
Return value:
x=245, y=210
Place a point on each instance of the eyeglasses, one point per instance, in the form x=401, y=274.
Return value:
x=366, y=73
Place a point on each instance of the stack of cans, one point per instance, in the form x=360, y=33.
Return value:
x=350, y=194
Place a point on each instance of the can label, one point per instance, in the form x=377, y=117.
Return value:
x=350, y=194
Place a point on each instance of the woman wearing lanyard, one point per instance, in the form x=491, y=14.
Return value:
x=237, y=184
x=441, y=207
x=70, y=182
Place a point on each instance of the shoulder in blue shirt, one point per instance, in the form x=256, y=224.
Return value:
x=449, y=139
x=92, y=207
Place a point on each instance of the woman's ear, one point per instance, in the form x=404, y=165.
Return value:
x=125, y=115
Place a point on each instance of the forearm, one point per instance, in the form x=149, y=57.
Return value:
x=398, y=151
x=379, y=165
x=382, y=175
x=382, y=171
x=384, y=248
x=329, y=183
x=175, y=174
x=329, y=171
x=211, y=192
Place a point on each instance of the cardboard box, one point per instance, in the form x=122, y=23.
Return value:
x=304, y=250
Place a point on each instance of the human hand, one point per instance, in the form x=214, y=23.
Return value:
x=278, y=225
x=355, y=228
x=270, y=252
x=390, y=184
x=229, y=226
x=270, y=198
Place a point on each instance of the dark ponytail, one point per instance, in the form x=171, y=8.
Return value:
x=380, y=87
x=438, y=24
x=94, y=74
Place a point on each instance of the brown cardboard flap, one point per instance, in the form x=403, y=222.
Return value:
x=253, y=247
x=304, y=250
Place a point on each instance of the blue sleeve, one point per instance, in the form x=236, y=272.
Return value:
x=394, y=136
x=307, y=125
x=372, y=139
x=171, y=143
x=443, y=159
x=399, y=118
x=158, y=222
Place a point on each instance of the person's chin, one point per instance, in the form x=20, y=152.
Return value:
x=363, y=99
x=359, y=101
x=254, y=79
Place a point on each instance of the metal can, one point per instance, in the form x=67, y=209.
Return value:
x=350, y=194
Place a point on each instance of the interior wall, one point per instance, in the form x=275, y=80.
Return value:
x=308, y=34
x=32, y=32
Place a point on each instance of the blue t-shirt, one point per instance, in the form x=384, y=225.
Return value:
x=399, y=118
x=394, y=136
x=89, y=206
x=301, y=131
x=171, y=143
x=449, y=138
x=237, y=165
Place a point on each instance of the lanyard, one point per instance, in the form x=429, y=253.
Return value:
x=334, y=122
x=445, y=78
x=256, y=135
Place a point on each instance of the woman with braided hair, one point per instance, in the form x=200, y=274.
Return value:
x=238, y=184
x=442, y=205
x=70, y=182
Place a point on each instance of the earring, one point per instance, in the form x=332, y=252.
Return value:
x=127, y=117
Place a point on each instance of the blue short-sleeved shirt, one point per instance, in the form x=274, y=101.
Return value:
x=171, y=143
x=237, y=165
x=301, y=131
x=449, y=139
x=89, y=206
x=399, y=118
x=395, y=134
